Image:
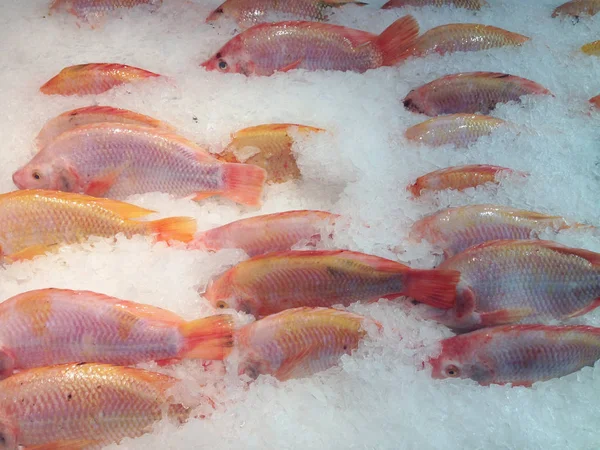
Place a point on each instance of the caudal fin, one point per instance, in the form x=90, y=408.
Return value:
x=244, y=183
x=208, y=338
x=434, y=287
x=397, y=40
x=174, y=228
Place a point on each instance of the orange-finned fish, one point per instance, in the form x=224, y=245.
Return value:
x=595, y=101
x=299, y=342
x=521, y=281
x=118, y=160
x=282, y=46
x=466, y=4
x=268, y=233
x=517, y=354
x=470, y=92
x=94, y=114
x=94, y=78
x=456, y=229
x=92, y=9
x=251, y=12
x=464, y=37
x=33, y=222
x=56, y=326
x=271, y=283
x=268, y=146
x=460, y=178
x=84, y=406
x=459, y=130
x=592, y=48
x=577, y=8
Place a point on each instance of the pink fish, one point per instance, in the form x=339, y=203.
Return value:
x=467, y=4
x=267, y=233
x=95, y=9
x=595, y=101
x=577, y=8
x=521, y=281
x=282, y=46
x=517, y=354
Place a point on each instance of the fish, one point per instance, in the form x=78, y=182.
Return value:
x=52, y=326
x=595, y=101
x=271, y=283
x=470, y=93
x=268, y=233
x=118, y=160
x=464, y=37
x=459, y=130
x=577, y=8
x=466, y=4
x=93, y=78
x=267, y=48
x=94, y=114
x=517, y=354
x=455, y=229
x=268, y=146
x=251, y=12
x=37, y=221
x=521, y=281
x=299, y=342
x=461, y=178
x=95, y=9
x=592, y=48
x=84, y=405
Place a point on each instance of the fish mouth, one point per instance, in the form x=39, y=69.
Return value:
x=16, y=180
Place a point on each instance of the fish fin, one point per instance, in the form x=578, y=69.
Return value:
x=291, y=66
x=595, y=304
x=504, y=316
x=292, y=367
x=531, y=86
x=199, y=196
x=174, y=228
x=465, y=302
x=125, y=113
x=335, y=3
x=101, y=185
x=71, y=444
x=244, y=183
x=207, y=338
x=356, y=37
x=167, y=362
x=433, y=287
x=396, y=41
x=272, y=128
x=31, y=252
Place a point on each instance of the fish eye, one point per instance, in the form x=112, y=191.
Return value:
x=452, y=371
x=221, y=305
x=222, y=65
x=36, y=175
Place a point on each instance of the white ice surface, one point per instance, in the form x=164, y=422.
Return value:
x=376, y=399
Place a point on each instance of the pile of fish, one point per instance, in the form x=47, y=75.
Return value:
x=500, y=287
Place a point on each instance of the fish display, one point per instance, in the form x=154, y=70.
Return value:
x=577, y=8
x=466, y=4
x=95, y=9
x=118, y=160
x=282, y=46
x=517, y=354
x=592, y=48
x=470, y=93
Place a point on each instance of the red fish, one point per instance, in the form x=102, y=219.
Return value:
x=595, y=101
x=577, y=8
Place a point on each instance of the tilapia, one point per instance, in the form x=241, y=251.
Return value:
x=577, y=8
x=92, y=10
x=466, y=4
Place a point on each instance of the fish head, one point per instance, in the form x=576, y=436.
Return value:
x=414, y=101
x=222, y=10
x=232, y=58
x=9, y=432
x=253, y=365
x=39, y=174
x=225, y=293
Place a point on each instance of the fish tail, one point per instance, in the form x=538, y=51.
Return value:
x=397, y=40
x=244, y=183
x=207, y=338
x=174, y=228
x=434, y=287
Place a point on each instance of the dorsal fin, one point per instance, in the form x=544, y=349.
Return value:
x=356, y=37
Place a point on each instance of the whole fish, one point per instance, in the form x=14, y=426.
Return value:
x=118, y=160
x=465, y=37
x=33, y=222
x=592, y=48
x=517, y=354
x=271, y=283
x=595, y=101
x=56, y=326
x=466, y=4
x=470, y=92
x=576, y=8
x=91, y=9
x=460, y=178
x=455, y=229
x=84, y=406
x=521, y=281
x=460, y=130
x=94, y=114
x=268, y=233
x=94, y=78
x=251, y=12
x=267, y=146
x=282, y=46
x=299, y=342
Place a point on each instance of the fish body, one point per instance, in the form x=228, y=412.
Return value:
x=92, y=9
x=118, y=160
x=466, y=4
x=459, y=130
x=460, y=178
x=268, y=233
x=282, y=46
x=470, y=93
x=521, y=281
x=517, y=354
x=577, y=8
x=93, y=78
x=271, y=283
x=595, y=101
x=592, y=48
x=33, y=222
x=57, y=326
x=94, y=114
x=456, y=229
x=268, y=146
x=298, y=342
x=83, y=406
